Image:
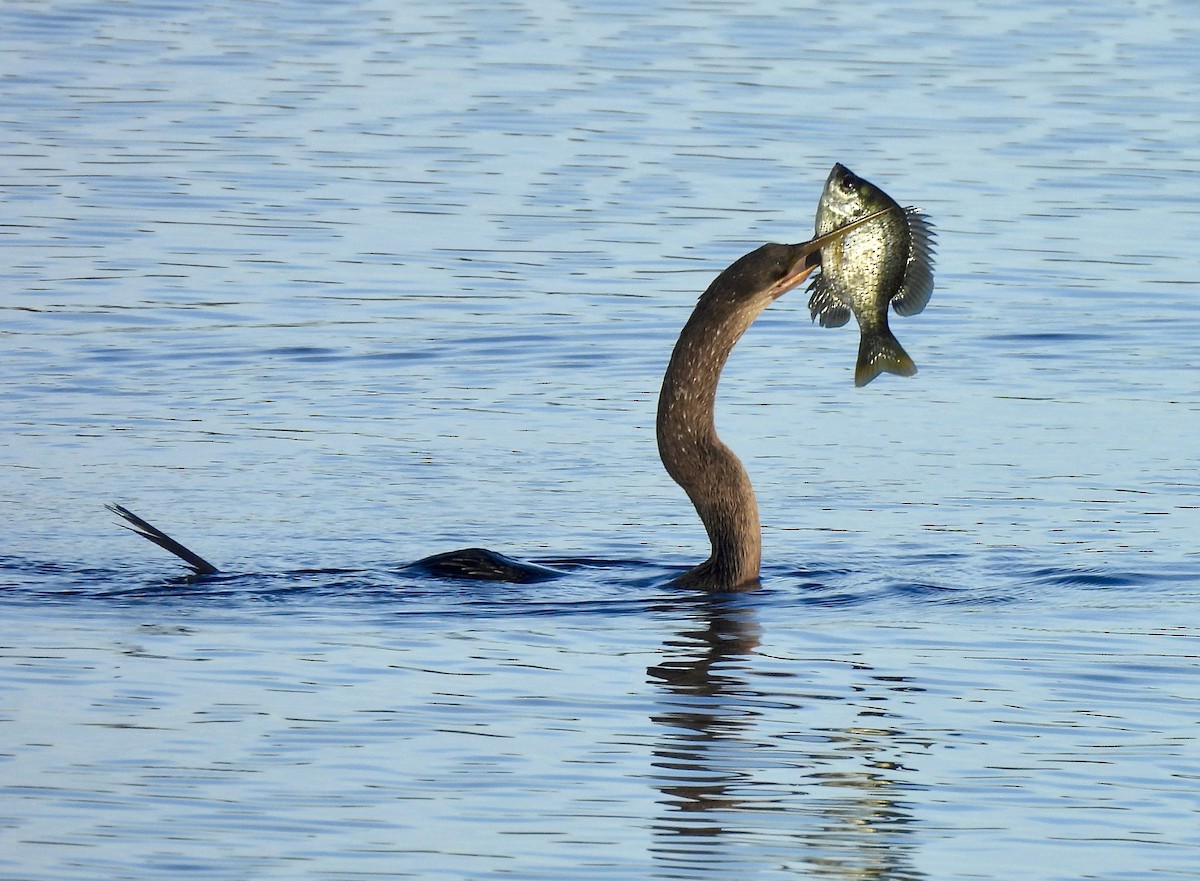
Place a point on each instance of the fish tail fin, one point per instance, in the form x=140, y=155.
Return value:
x=880, y=351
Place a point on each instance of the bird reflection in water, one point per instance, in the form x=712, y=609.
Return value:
x=828, y=801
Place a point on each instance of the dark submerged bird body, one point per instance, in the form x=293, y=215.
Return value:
x=481, y=564
x=886, y=262
x=708, y=471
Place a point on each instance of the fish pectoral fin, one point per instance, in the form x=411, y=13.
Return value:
x=824, y=304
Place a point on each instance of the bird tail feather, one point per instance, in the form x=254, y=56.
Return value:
x=150, y=532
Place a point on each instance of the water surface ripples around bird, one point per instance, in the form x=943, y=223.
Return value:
x=321, y=288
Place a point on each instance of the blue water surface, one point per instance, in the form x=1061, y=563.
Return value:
x=321, y=288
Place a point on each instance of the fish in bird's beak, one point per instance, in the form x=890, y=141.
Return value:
x=889, y=264
x=808, y=255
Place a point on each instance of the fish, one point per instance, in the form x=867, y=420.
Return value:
x=888, y=261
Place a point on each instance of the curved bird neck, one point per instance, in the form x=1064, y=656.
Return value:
x=706, y=469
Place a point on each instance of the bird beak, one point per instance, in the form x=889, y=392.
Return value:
x=806, y=261
x=808, y=257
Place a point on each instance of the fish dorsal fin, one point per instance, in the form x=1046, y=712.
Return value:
x=825, y=304
x=917, y=287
